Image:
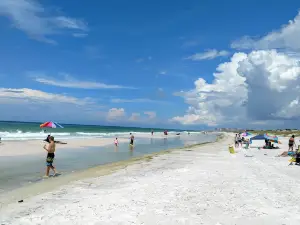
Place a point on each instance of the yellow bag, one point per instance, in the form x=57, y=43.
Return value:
x=292, y=159
x=231, y=150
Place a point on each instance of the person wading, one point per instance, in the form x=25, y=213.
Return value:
x=50, y=156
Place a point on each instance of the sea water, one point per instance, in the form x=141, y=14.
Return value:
x=11, y=131
x=18, y=171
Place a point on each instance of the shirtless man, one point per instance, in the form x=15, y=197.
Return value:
x=50, y=156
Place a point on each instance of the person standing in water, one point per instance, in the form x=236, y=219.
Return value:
x=152, y=132
x=131, y=139
x=50, y=156
x=116, y=142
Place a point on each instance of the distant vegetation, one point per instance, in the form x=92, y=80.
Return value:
x=285, y=132
x=278, y=132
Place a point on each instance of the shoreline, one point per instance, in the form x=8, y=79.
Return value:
x=51, y=184
x=35, y=147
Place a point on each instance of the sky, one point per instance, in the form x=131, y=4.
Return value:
x=178, y=64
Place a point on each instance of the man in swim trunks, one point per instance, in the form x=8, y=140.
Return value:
x=131, y=140
x=292, y=143
x=50, y=156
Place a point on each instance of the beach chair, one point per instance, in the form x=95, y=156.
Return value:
x=295, y=157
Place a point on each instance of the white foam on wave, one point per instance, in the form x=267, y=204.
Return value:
x=20, y=135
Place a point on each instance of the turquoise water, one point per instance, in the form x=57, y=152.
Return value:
x=32, y=131
x=21, y=170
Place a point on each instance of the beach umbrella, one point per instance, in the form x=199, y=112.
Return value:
x=257, y=137
x=272, y=138
x=269, y=137
x=51, y=124
x=245, y=134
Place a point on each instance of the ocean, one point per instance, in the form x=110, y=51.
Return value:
x=24, y=170
x=32, y=131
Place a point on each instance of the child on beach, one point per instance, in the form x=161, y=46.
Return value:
x=116, y=142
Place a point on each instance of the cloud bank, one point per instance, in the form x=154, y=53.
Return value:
x=252, y=88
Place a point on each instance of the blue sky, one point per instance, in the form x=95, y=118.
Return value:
x=129, y=56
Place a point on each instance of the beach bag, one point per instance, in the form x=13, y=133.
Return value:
x=231, y=150
x=292, y=160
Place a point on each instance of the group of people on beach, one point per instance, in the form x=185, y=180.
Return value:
x=292, y=147
x=295, y=154
x=238, y=140
x=116, y=142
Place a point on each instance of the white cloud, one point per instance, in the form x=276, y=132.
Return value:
x=70, y=82
x=151, y=114
x=24, y=104
x=25, y=95
x=208, y=55
x=135, y=100
x=32, y=18
x=116, y=114
x=259, y=86
x=119, y=115
x=163, y=72
x=287, y=38
x=135, y=117
x=207, y=101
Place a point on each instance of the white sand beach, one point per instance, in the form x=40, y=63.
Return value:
x=203, y=185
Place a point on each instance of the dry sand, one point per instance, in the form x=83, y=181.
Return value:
x=205, y=185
